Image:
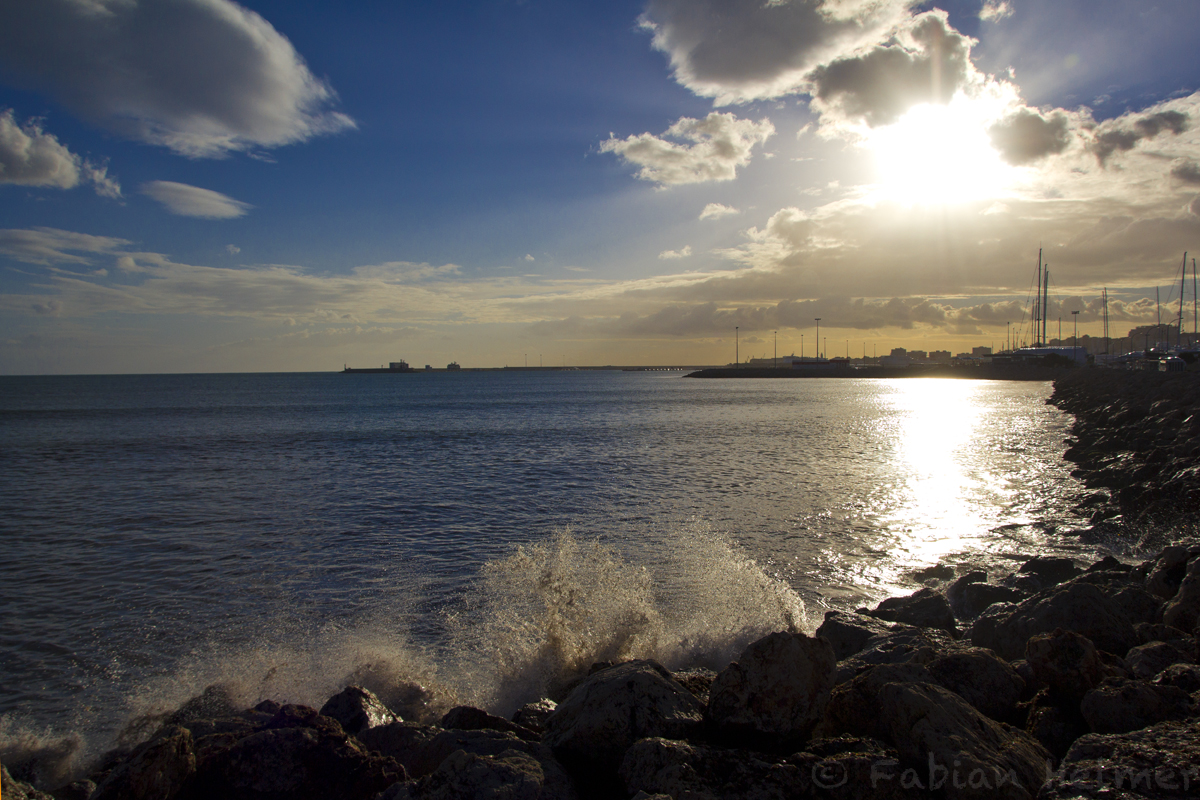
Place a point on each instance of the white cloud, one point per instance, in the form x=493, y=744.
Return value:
x=683, y=252
x=720, y=144
x=528, y=257
x=232, y=249
x=741, y=50
x=31, y=157
x=202, y=77
x=995, y=10
x=192, y=201
x=717, y=210
x=54, y=246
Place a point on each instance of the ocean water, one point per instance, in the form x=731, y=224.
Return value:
x=482, y=534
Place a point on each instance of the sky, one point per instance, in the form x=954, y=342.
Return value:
x=208, y=186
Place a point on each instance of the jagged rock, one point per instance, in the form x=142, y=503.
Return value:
x=300, y=755
x=853, y=708
x=533, y=715
x=1158, y=633
x=925, y=608
x=1050, y=570
x=1119, y=705
x=954, y=590
x=1065, y=662
x=910, y=646
x=1138, y=605
x=156, y=771
x=679, y=769
x=612, y=709
x=216, y=701
x=508, y=775
x=1054, y=726
x=778, y=687
x=14, y=789
x=357, y=710
x=488, y=743
x=1147, y=660
x=849, y=632
x=697, y=680
x=938, y=572
x=1183, y=676
x=1109, y=564
x=981, y=678
x=1168, y=572
x=403, y=741
x=978, y=597
x=1183, y=611
x=1079, y=607
x=75, y=790
x=1157, y=762
x=467, y=718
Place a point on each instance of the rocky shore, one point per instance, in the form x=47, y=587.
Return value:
x=1060, y=680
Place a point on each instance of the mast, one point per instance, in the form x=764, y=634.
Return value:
x=1195, y=303
x=1037, y=304
x=1105, y=299
x=1182, y=286
x=1045, y=301
x=1158, y=305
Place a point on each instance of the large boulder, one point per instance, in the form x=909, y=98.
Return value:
x=157, y=770
x=508, y=775
x=484, y=743
x=683, y=770
x=1168, y=572
x=1119, y=705
x=976, y=598
x=908, y=646
x=1065, y=662
x=610, y=710
x=533, y=716
x=1183, y=676
x=1183, y=611
x=1079, y=607
x=1156, y=762
x=406, y=742
x=1050, y=570
x=357, y=710
x=14, y=789
x=1147, y=660
x=469, y=718
x=925, y=608
x=778, y=687
x=978, y=676
x=849, y=632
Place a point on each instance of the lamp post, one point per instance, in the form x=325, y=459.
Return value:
x=776, y=349
x=802, y=347
x=737, y=359
x=1075, y=337
x=818, y=337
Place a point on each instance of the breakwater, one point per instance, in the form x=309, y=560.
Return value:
x=986, y=372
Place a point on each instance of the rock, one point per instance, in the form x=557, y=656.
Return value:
x=1183, y=611
x=1065, y=662
x=697, y=680
x=1168, y=572
x=778, y=687
x=1049, y=570
x=612, y=709
x=954, y=590
x=1147, y=660
x=926, y=608
x=508, y=775
x=156, y=771
x=403, y=741
x=1119, y=705
x=1183, y=676
x=981, y=678
x=14, y=789
x=853, y=708
x=682, y=770
x=533, y=715
x=467, y=718
x=491, y=743
x=1137, y=605
x=357, y=710
x=1157, y=762
x=849, y=632
x=1158, y=633
x=1109, y=564
x=938, y=572
x=909, y=646
x=978, y=597
x=214, y=702
x=300, y=756
x=1054, y=726
x=75, y=790
x=1079, y=607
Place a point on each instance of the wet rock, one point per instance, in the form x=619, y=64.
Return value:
x=533, y=715
x=156, y=771
x=926, y=608
x=910, y=646
x=778, y=687
x=1065, y=662
x=853, y=708
x=1182, y=676
x=698, y=681
x=679, y=769
x=216, y=701
x=978, y=597
x=614, y=708
x=1109, y=564
x=14, y=789
x=954, y=590
x=489, y=743
x=1157, y=762
x=75, y=790
x=1119, y=705
x=938, y=572
x=1147, y=660
x=1049, y=570
x=357, y=710
x=849, y=632
x=467, y=718
x=1183, y=611
x=403, y=741
x=1168, y=572
x=1138, y=605
x=978, y=676
x=1079, y=607
x=508, y=775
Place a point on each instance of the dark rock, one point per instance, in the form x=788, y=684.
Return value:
x=912, y=646
x=156, y=771
x=215, y=701
x=698, y=681
x=1049, y=570
x=1065, y=662
x=1080, y=607
x=75, y=790
x=1157, y=762
x=954, y=590
x=609, y=711
x=403, y=741
x=850, y=632
x=1119, y=705
x=14, y=789
x=1183, y=611
x=467, y=718
x=1109, y=564
x=778, y=687
x=1158, y=632
x=488, y=743
x=682, y=770
x=1168, y=572
x=925, y=608
x=1054, y=726
x=1138, y=605
x=938, y=572
x=357, y=710
x=533, y=715
x=1147, y=660
x=854, y=706
x=981, y=678
x=978, y=597
x=1182, y=676
x=507, y=775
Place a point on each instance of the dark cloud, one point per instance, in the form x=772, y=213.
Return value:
x=927, y=65
x=202, y=77
x=737, y=50
x=1186, y=170
x=1123, y=134
x=1027, y=136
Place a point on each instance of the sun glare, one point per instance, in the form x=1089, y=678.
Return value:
x=939, y=155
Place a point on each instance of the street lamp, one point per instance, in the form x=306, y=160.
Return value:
x=818, y=337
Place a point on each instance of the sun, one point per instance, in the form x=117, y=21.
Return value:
x=940, y=155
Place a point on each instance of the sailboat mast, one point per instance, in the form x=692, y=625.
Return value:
x=1105, y=296
x=1182, y=286
x=1045, y=301
x=1037, y=303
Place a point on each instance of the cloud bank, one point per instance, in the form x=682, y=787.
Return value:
x=204, y=78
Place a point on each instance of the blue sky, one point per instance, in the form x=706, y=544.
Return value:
x=200, y=185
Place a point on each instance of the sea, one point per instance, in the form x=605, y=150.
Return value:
x=484, y=535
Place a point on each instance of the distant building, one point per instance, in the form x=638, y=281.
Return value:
x=940, y=356
x=899, y=352
x=453, y=365
x=980, y=352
